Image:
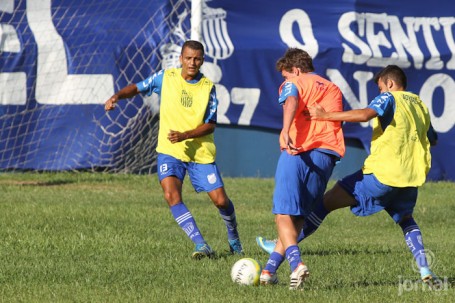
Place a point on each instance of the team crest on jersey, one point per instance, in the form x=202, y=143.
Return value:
x=211, y=178
x=186, y=99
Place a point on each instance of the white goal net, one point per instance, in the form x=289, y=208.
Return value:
x=59, y=62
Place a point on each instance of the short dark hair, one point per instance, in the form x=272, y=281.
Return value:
x=392, y=72
x=295, y=57
x=193, y=44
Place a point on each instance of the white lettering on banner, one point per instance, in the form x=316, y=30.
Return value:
x=371, y=37
x=248, y=97
x=307, y=40
x=13, y=85
x=447, y=23
x=53, y=83
x=223, y=104
x=362, y=78
x=13, y=88
x=446, y=121
x=7, y=6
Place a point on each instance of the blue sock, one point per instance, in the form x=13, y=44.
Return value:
x=313, y=221
x=275, y=260
x=228, y=216
x=413, y=238
x=293, y=256
x=185, y=220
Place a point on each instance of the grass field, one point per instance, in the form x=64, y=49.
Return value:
x=80, y=237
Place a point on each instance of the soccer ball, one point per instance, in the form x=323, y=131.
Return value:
x=246, y=271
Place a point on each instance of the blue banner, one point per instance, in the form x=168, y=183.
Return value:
x=59, y=62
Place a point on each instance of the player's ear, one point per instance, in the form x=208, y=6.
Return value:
x=296, y=71
x=390, y=83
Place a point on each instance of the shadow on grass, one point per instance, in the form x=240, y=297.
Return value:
x=40, y=183
x=451, y=281
x=345, y=251
x=226, y=254
x=359, y=284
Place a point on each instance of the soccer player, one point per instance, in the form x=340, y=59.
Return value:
x=309, y=151
x=185, y=142
x=397, y=165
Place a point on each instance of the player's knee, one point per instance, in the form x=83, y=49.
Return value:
x=172, y=197
x=219, y=198
x=221, y=202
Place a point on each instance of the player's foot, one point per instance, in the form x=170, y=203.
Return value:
x=235, y=246
x=201, y=251
x=429, y=278
x=268, y=278
x=298, y=276
x=266, y=245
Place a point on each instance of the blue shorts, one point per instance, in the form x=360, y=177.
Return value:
x=372, y=196
x=300, y=181
x=203, y=177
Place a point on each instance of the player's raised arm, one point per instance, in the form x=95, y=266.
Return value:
x=317, y=112
x=126, y=92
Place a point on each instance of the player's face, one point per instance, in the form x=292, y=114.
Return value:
x=382, y=86
x=191, y=61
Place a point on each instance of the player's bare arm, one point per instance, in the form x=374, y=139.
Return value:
x=205, y=129
x=317, y=112
x=126, y=92
x=289, y=110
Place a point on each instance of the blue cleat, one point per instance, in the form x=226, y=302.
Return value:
x=429, y=278
x=267, y=245
x=201, y=251
x=235, y=247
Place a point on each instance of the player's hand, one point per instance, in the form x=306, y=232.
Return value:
x=292, y=150
x=289, y=145
x=316, y=112
x=175, y=136
x=110, y=103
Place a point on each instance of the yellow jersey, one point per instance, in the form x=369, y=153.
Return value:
x=183, y=107
x=400, y=154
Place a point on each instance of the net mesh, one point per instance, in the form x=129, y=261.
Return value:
x=138, y=40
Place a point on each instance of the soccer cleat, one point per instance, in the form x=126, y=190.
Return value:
x=235, y=247
x=268, y=278
x=266, y=245
x=201, y=251
x=298, y=276
x=429, y=278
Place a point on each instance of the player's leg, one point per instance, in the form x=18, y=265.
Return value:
x=337, y=197
x=288, y=229
x=206, y=177
x=171, y=173
x=227, y=212
x=285, y=202
x=334, y=199
x=300, y=181
x=413, y=238
x=268, y=274
x=401, y=210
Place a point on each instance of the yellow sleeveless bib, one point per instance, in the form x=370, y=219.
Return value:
x=400, y=156
x=183, y=107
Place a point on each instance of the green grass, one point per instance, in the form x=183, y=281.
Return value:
x=80, y=237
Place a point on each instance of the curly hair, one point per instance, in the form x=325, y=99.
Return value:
x=295, y=57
